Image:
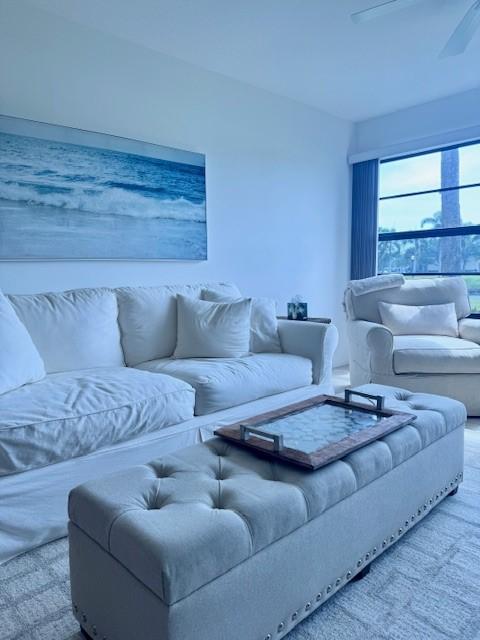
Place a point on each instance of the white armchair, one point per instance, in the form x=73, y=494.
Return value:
x=444, y=365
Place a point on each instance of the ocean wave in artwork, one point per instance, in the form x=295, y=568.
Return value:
x=38, y=172
x=112, y=200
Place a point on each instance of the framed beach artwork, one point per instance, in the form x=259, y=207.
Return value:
x=67, y=194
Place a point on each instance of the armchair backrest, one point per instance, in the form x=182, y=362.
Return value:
x=421, y=291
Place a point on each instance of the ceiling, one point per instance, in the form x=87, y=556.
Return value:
x=308, y=50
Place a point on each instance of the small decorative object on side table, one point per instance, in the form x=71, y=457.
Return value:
x=297, y=309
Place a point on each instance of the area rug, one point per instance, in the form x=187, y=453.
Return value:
x=426, y=587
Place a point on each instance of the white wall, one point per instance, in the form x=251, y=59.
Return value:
x=277, y=176
x=440, y=122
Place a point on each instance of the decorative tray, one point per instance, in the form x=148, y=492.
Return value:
x=317, y=431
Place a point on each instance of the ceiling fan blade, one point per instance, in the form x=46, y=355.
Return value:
x=381, y=9
x=460, y=38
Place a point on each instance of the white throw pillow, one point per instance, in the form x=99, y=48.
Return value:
x=20, y=362
x=211, y=329
x=75, y=329
x=432, y=319
x=264, y=336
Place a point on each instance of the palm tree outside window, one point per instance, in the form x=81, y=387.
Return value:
x=429, y=215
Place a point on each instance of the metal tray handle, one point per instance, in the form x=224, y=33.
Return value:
x=380, y=400
x=246, y=431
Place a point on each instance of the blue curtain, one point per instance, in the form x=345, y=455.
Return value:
x=364, y=220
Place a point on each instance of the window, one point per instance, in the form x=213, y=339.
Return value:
x=429, y=216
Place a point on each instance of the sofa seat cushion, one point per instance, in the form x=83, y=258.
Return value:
x=435, y=354
x=70, y=414
x=226, y=382
x=185, y=519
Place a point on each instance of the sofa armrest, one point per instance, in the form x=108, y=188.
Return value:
x=372, y=346
x=469, y=329
x=312, y=340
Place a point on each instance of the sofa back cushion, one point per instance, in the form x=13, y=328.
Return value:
x=424, y=291
x=20, y=362
x=148, y=318
x=75, y=329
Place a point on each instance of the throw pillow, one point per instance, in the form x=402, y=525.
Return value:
x=264, y=336
x=20, y=362
x=72, y=330
x=432, y=319
x=211, y=329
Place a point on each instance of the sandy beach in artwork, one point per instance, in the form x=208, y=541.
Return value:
x=31, y=232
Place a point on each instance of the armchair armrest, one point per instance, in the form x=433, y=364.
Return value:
x=371, y=346
x=469, y=329
x=312, y=340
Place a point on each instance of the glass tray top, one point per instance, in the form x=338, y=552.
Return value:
x=319, y=426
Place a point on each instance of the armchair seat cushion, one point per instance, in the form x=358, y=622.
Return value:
x=220, y=383
x=435, y=354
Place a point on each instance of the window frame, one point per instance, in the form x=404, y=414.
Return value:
x=469, y=230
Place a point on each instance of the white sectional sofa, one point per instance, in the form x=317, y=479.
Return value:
x=113, y=395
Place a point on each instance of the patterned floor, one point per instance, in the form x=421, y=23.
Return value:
x=426, y=587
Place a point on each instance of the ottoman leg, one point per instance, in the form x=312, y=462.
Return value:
x=85, y=634
x=361, y=574
x=453, y=492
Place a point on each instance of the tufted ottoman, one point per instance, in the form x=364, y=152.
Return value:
x=215, y=543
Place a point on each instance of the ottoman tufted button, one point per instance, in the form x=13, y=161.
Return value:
x=281, y=627
x=268, y=636
x=318, y=597
x=308, y=606
x=294, y=615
